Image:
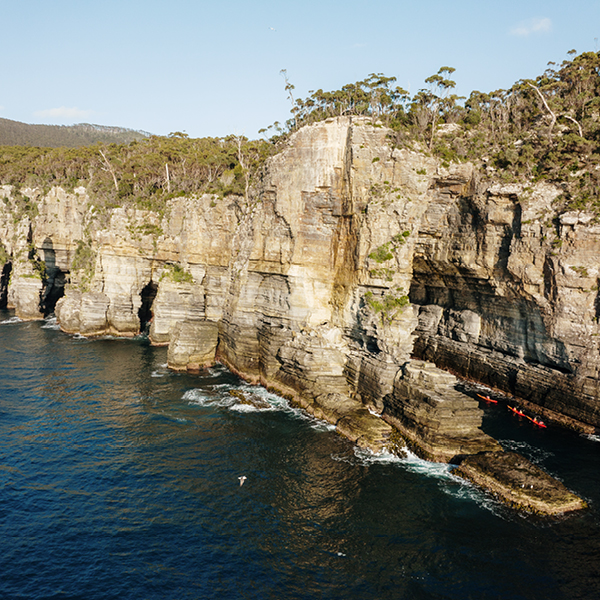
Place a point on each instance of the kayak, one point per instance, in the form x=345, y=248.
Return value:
x=534, y=420
x=488, y=399
x=517, y=411
x=537, y=422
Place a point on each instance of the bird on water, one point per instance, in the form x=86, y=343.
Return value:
x=242, y=479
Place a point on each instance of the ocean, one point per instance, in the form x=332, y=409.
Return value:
x=120, y=480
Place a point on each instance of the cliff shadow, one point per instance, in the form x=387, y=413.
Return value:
x=54, y=284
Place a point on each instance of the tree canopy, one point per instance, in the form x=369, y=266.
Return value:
x=542, y=128
x=145, y=172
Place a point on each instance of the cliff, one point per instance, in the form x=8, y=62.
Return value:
x=349, y=260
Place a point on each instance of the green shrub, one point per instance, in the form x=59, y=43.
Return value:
x=389, y=306
x=176, y=273
x=4, y=255
x=382, y=254
x=83, y=265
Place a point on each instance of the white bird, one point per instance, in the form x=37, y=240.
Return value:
x=242, y=479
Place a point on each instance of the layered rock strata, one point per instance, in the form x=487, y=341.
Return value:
x=193, y=345
x=438, y=421
x=508, y=296
x=304, y=285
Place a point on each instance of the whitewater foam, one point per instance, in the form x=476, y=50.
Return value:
x=534, y=454
x=218, y=396
x=11, y=321
x=247, y=408
x=51, y=323
x=448, y=482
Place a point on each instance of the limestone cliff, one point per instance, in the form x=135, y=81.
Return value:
x=306, y=283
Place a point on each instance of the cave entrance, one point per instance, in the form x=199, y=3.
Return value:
x=4, y=279
x=145, y=312
x=54, y=289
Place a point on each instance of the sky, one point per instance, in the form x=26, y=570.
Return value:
x=214, y=68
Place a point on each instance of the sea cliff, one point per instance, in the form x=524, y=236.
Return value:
x=347, y=278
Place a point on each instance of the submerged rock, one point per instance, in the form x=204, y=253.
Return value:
x=250, y=399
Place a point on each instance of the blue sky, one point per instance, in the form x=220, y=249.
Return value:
x=213, y=68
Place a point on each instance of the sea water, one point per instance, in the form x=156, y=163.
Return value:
x=119, y=479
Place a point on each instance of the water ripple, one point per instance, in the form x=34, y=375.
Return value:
x=119, y=479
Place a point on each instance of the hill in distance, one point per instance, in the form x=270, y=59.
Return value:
x=15, y=133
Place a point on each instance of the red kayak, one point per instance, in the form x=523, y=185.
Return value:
x=534, y=420
x=488, y=399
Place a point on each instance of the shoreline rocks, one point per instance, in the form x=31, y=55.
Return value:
x=518, y=483
x=439, y=422
x=193, y=345
x=508, y=476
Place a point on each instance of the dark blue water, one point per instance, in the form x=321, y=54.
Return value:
x=119, y=479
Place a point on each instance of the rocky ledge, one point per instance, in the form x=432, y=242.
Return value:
x=519, y=483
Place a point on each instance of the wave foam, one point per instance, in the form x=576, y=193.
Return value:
x=217, y=395
x=464, y=490
x=449, y=483
x=51, y=323
x=534, y=454
x=368, y=457
x=204, y=398
x=246, y=408
x=11, y=321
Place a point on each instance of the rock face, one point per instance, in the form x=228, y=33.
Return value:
x=508, y=296
x=440, y=422
x=193, y=345
x=304, y=286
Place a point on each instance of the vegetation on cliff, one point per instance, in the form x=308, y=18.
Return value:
x=176, y=273
x=83, y=265
x=145, y=173
x=544, y=128
x=388, y=305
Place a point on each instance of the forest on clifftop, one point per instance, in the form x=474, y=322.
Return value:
x=547, y=128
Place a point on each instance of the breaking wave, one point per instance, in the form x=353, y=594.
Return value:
x=51, y=323
x=449, y=483
x=248, y=398
x=161, y=371
x=11, y=321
